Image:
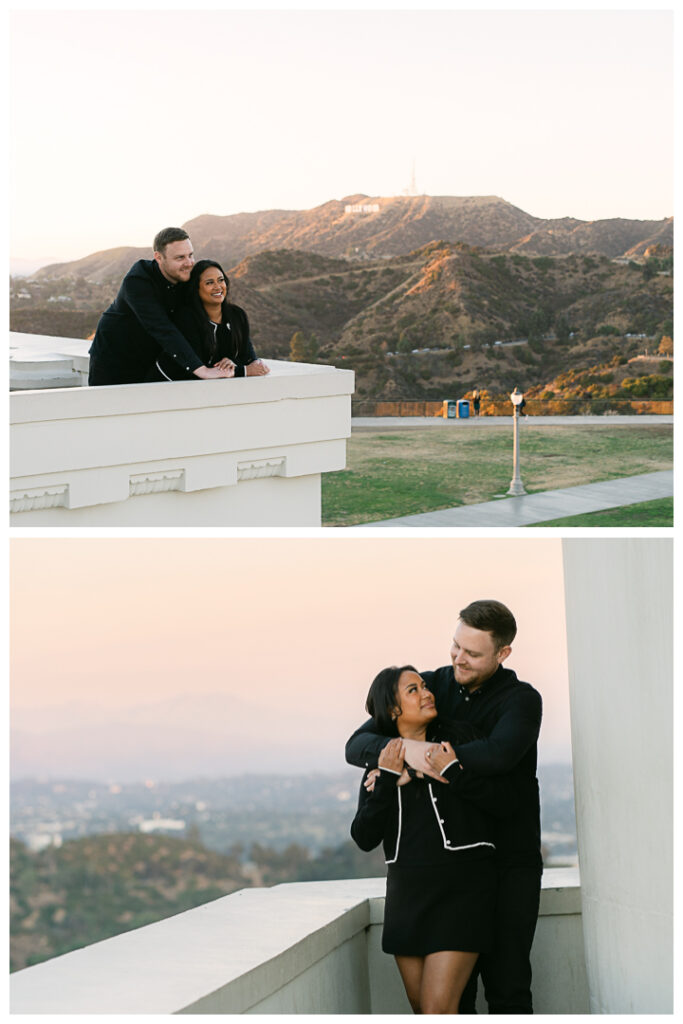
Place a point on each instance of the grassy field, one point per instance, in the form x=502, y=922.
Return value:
x=421, y=469
x=646, y=513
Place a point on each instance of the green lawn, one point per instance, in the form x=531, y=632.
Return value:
x=646, y=513
x=421, y=469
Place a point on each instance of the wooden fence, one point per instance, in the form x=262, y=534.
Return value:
x=533, y=407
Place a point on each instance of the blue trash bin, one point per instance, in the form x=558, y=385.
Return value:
x=463, y=409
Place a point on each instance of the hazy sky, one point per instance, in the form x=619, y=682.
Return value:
x=124, y=121
x=295, y=626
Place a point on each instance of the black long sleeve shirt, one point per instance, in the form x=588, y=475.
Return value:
x=139, y=325
x=508, y=713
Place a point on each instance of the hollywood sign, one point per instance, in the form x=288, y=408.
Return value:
x=360, y=208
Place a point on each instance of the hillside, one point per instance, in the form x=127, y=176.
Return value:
x=444, y=274
x=382, y=227
x=89, y=889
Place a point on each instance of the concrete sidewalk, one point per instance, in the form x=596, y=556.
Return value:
x=537, y=508
x=364, y=423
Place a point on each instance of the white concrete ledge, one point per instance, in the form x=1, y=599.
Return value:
x=245, y=452
x=43, y=361
x=306, y=947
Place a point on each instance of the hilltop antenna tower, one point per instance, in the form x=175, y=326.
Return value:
x=412, y=188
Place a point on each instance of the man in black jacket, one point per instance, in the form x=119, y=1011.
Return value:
x=477, y=688
x=139, y=323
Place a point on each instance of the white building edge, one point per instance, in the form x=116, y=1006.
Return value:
x=246, y=452
x=604, y=946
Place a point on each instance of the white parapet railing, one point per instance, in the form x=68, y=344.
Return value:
x=303, y=947
x=246, y=452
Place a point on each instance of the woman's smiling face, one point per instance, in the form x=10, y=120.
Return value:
x=415, y=701
x=212, y=287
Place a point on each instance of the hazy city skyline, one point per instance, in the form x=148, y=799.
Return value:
x=277, y=639
x=562, y=113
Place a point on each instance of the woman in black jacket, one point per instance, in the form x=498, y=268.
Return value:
x=439, y=844
x=217, y=330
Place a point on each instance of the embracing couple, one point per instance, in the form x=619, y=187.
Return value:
x=450, y=790
x=171, y=320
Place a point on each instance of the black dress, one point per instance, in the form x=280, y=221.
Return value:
x=439, y=842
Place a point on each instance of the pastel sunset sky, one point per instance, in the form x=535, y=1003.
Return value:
x=288, y=632
x=125, y=121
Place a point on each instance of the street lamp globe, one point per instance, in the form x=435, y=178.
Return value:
x=517, y=397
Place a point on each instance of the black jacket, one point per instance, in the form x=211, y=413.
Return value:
x=231, y=339
x=461, y=818
x=138, y=326
x=508, y=713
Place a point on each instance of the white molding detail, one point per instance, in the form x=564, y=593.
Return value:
x=257, y=468
x=244, y=452
x=38, y=498
x=156, y=483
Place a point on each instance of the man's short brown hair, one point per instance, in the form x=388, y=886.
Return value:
x=493, y=617
x=168, y=235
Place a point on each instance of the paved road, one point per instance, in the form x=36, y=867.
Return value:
x=537, y=508
x=359, y=424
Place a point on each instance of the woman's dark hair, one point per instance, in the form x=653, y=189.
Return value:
x=383, y=698
x=204, y=328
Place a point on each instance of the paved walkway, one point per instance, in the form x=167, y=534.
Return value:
x=537, y=508
x=363, y=423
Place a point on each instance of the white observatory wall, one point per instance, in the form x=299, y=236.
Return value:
x=620, y=651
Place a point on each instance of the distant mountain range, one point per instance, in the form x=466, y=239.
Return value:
x=411, y=293
x=364, y=227
x=205, y=734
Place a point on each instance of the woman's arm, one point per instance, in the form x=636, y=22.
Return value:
x=375, y=807
x=375, y=811
x=247, y=364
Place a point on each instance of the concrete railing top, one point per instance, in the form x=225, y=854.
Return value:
x=240, y=948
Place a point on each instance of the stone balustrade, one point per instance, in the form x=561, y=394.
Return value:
x=304, y=947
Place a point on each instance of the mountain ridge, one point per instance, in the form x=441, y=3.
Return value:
x=398, y=225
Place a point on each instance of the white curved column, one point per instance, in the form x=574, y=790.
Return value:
x=620, y=647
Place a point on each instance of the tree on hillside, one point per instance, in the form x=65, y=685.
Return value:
x=562, y=330
x=405, y=345
x=666, y=346
x=312, y=348
x=297, y=347
x=303, y=349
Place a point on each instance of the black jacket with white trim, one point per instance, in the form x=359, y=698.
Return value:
x=231, y=339
x=463, y=811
